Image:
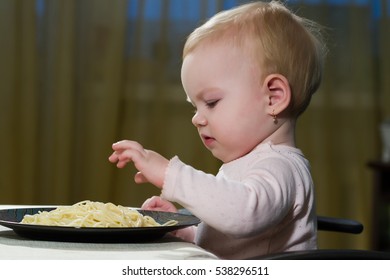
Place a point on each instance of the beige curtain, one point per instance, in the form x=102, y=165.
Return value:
x=340, y=131
x=78, y=75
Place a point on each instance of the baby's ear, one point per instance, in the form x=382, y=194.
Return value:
x=279, y=93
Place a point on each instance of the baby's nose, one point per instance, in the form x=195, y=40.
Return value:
x=199, y=120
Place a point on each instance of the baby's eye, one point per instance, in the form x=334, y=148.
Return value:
x=212, y=103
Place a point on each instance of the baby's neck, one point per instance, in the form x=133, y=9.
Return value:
x=284, y=134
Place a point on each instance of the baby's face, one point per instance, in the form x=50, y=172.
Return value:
x=222, y=83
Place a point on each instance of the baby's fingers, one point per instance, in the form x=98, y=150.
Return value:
x=156, y=203
x=122, y=162
x=139, y=178
x=127, y=145
x=113, y=157
x=125, y=156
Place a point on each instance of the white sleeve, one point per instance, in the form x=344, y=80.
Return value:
x=239, y=208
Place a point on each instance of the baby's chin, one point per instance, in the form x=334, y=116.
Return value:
x=225, y=157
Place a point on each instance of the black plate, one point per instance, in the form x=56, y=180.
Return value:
x=11, y=217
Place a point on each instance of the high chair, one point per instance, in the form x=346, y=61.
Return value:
x=325, y=223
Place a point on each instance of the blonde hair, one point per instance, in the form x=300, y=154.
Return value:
x=280, y=41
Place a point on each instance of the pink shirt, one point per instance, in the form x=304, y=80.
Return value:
x=259, y=204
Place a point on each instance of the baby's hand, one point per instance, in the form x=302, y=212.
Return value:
x=156, y=203
x=150, y=165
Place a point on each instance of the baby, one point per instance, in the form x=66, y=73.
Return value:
x=249, y=72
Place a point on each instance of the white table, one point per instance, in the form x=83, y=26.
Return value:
x=14, y=247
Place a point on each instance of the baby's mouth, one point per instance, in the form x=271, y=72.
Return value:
x=206, y=137
x=207, y=140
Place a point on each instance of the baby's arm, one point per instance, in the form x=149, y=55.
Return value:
x=151, y=168
x=150, y=165
x=237, y=208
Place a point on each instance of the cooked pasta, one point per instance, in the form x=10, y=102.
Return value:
x=93, y=214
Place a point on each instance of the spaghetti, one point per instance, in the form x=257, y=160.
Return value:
x=93, y=214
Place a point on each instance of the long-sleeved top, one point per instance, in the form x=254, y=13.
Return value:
x=258, y=204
